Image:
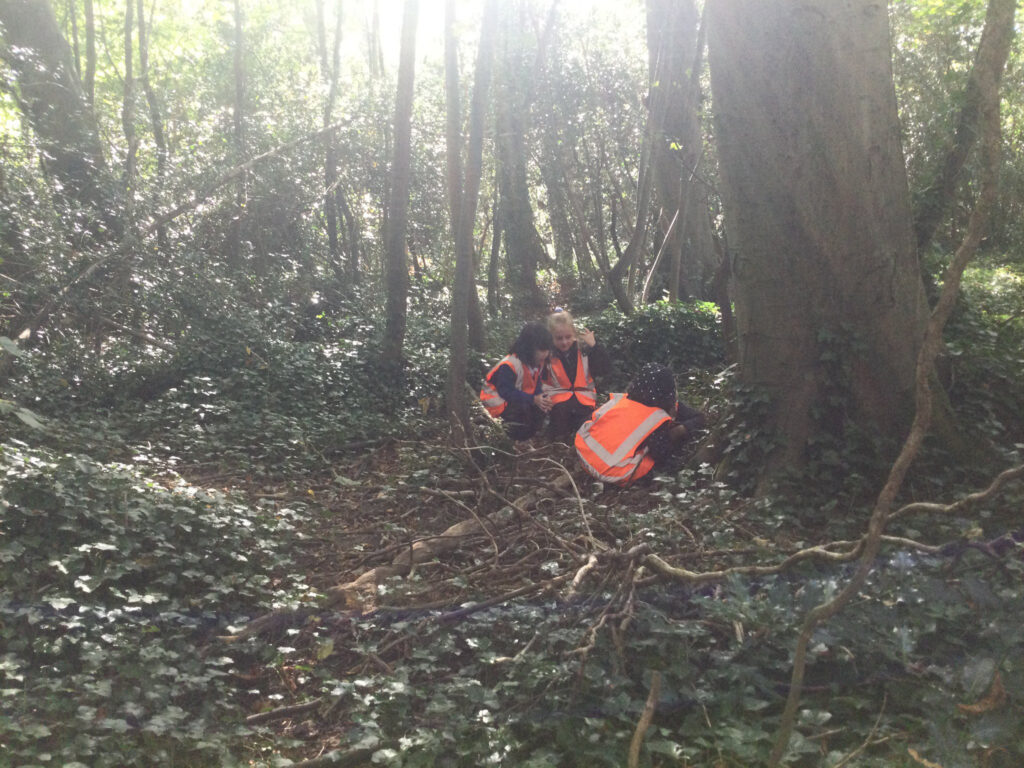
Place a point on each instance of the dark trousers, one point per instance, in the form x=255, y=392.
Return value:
x=521, y=420
x=567, y=417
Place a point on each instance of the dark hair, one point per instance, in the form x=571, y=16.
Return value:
x=654, y=387
x=533, y=337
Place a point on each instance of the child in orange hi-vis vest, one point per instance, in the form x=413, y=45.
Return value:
x=512, y=388
x=634, y=432
x=576, y=359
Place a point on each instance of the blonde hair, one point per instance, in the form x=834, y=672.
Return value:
x=560, y=317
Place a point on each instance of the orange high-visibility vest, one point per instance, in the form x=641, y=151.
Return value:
x=557, y=384
x=609, y=444
x=526, y=380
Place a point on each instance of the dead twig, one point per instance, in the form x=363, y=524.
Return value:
x=996, y=485
x=868, y=741
x=339, y=758
x=283, y=713
x=645, y=720
x=483, y=605
x=822, y=552
x=581, y=574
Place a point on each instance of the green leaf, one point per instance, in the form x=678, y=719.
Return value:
x=29, y=418
x=10, y=346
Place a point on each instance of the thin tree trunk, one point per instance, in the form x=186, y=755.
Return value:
x=453, y=118
x=89, y=79
x=512, y=102
x=374, y=51
x=234, y=244
x=458, y=404
x=73, y=18
x=155, y=116
x=354, y=242
x=989, y=62
x=560, y=229
x=329, y=71
x=493, y=301
x=398, y=208
x=675, y=40
x=723, y=275
x=454, y=171
x=128, y=120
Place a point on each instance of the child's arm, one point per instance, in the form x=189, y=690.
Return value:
x=600, y=362
x=504, y=380
x=689, y=418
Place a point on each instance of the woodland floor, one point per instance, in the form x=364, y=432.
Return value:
x=380, y=502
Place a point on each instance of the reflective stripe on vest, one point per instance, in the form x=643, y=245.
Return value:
x=526, y=380
x=609, y=444
x=561, y=390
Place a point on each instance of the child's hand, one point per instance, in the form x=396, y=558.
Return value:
x=678, y=433
x=587, y=336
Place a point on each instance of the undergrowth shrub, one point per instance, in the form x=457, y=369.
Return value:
x=234, y=397
x=682, y=336
x=985, y=344
x=112, y=581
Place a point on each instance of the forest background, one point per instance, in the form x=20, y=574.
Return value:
x=256, y=256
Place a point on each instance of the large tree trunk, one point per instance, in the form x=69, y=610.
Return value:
x=52, y=99
x=818, y=212
x=398, y=208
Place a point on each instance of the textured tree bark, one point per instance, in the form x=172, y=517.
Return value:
x=929, y=347
x=818, y=211
x=398, y=207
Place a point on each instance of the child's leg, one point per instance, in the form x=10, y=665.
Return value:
x=522, y=421
x=567, y=417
